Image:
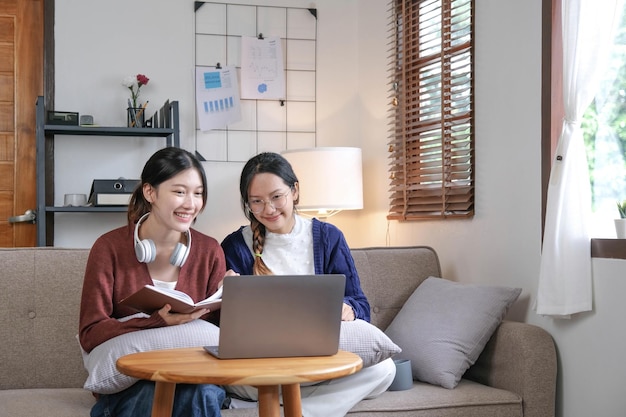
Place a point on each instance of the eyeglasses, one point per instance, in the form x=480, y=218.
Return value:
x=276, y=201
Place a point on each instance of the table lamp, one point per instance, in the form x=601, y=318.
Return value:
x=331, y=179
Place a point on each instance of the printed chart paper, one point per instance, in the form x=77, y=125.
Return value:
x=217, y=97
x=262, y=73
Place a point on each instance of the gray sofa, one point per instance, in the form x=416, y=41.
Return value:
x=42, y=373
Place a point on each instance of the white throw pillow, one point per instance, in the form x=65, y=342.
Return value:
x=444, y=326
x=104, y=378
x=367, y=341
x=358, y=337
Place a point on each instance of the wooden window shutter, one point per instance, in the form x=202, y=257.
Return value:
x=431, y=148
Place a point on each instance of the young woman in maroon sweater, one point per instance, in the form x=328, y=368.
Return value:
x=154, y=248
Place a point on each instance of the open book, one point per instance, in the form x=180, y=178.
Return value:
x=151, y=298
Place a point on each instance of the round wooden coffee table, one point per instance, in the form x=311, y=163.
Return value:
x=195, y=366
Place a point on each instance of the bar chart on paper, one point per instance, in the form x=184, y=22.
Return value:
x=221, y=104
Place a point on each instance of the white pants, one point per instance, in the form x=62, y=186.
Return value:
x=335, y=397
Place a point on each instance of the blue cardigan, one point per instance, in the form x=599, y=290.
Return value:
x=331, y=255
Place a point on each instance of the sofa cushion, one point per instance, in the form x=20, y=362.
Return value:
x=389, y=275
x=468, y=399
x=104, y=378
x=32, y=282
x=48, y=402
x=367, y=341
x=444, y=326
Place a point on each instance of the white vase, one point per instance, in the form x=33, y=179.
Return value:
x=620, y=228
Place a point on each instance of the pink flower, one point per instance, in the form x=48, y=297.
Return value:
x=142, y=80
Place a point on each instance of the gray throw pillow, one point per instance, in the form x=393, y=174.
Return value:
x=444, y=326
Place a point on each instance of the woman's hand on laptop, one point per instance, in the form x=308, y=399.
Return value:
x=229, y=273
x=347, y=313
x=172, y=319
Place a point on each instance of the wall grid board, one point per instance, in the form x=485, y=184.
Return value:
x=265, y=125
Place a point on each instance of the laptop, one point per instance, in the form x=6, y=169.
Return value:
x=268, y=316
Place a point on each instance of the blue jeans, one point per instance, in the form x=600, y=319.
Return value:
x=136, y=401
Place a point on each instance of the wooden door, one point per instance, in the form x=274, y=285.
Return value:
x=21, y=81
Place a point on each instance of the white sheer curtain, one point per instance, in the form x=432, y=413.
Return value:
x=565, y=274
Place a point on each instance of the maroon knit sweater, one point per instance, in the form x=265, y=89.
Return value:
x=113, y=273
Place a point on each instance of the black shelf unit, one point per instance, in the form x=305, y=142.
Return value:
x=63, y=209
x=172, y=137
x=45, y=134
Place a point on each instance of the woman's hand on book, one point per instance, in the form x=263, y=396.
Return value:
x=172, y=319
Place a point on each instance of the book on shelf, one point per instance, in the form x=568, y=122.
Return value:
x=151, y=298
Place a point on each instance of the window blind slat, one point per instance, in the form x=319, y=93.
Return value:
x=431, y=169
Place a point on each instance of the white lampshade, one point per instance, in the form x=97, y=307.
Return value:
x=331, y=179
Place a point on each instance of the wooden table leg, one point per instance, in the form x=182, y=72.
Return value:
x=163, y=399
x=269, y=403
x=292, y=401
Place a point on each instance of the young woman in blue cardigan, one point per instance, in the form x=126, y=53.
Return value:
x=278, y=241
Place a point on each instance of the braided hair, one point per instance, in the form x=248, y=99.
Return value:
x=271, y=163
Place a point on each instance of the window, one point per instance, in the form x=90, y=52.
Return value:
x=432, y=134
x=603, y=242
x=604, y=131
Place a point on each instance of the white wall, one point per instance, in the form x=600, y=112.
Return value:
x=500, y=245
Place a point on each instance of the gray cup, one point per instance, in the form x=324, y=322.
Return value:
x=404, y=375
x=75, y=200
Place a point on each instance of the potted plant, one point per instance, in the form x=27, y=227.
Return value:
x=620, y=223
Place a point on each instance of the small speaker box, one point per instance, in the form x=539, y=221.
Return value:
x=86, y=119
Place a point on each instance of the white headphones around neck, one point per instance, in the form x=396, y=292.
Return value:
x=145, y=249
